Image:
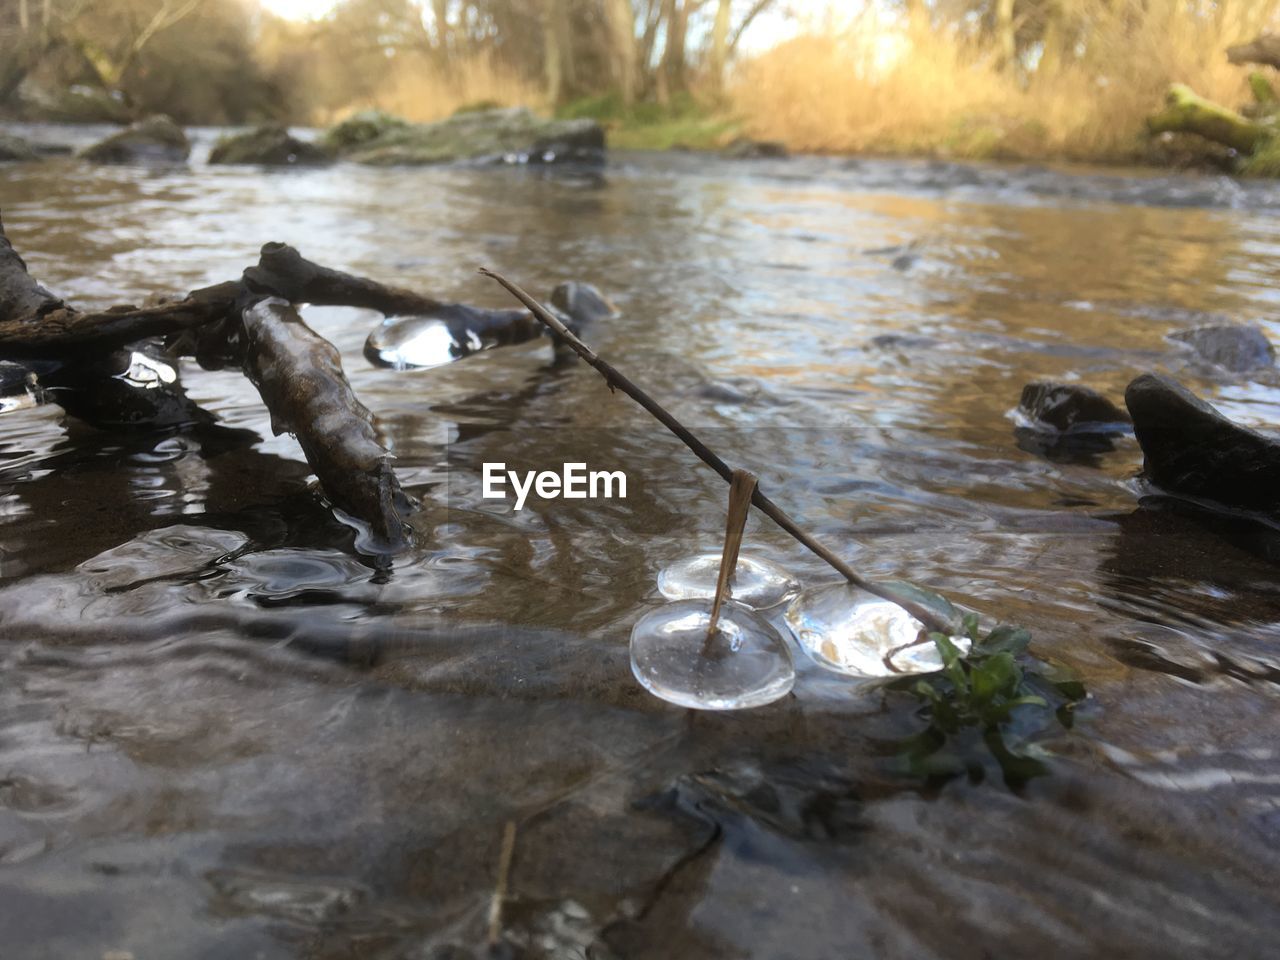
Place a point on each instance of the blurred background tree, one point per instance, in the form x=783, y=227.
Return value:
x=218, y=61
x=955, y=77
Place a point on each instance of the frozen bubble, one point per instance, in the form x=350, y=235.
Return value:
x=745, y=664
x=406, y=342
x=756, y=583
x=853, y=632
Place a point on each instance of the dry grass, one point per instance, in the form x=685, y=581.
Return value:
x=416, y=89
x=884, y=86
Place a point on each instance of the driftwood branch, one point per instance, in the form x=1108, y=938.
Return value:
x=1263, y=49
x=1186, y=112
x=91, y=385
x=244, y=323
x=299, y=374
x=618, y=381
x=249, y=324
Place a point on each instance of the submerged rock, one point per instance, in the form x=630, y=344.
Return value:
x=269, y=145
x=902, y=341
x=1070, y=408
x=154, y=140
x=1193, y=450
x=1233, y=347
x=744, y=148
x=581, y=304
x=1067, y=422
x=15, y=148
x=512, y=136
x=362, y=128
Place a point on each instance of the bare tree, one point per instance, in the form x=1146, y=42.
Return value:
x=725, y=37
x=557, y=47
x=620, y=18
x=110, y=62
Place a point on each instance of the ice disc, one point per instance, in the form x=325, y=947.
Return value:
x=745, y=664
x=853, y=632
x=756, y=583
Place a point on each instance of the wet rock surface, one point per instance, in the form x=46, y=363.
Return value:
x=15, y=148
x=271, y=145
x=1192, y=450
x=510, y=135
x=1233, y=347
x=362, y=128
x=154, y=140
x=1071, y=408
x=581, y=304
x=744, y=148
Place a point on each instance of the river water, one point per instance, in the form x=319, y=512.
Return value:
x=226, y=734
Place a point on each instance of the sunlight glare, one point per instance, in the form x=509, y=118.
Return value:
x=298, y=9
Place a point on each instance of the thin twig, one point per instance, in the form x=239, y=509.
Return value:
x=740, y=490
x=500, y=888
x=618, y=381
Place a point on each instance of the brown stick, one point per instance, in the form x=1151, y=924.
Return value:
x=299, y=374
x=1263, y=49
x=617, y=381
x=36, y=324
x=500, y=888
x=741, y=487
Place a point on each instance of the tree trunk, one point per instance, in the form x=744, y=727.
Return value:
x=1185, y=112
x=1005, y=41
x=440, y=8
x=557, y=49
x=672, y=74
x=1052, y=45
x=1264, y=50
x=622, y=37
x=720, y=45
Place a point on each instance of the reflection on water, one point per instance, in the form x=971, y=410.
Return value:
x=223, y=734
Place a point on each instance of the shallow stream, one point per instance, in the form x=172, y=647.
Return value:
x=225, y=734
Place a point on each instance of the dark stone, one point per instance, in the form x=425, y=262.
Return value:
x=362, y=128
x=1071, y=408
x=744, y=148
x=1239, y=349
x=513, y=136
x=582, y=304
x=1188, y=151
x=269, y=145
x=154, y=140
x=15, y=148
x=905, y=256
x=1194, y=451
x=902, y=341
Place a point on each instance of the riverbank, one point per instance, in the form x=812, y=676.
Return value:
x=888, y=88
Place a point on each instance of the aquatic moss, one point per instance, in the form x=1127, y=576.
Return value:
x=362, y=128
x=683, y=123
x=997, y=695
x=1264, y=161
x=489, y=133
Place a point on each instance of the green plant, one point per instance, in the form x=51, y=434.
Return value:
x=996, y=696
